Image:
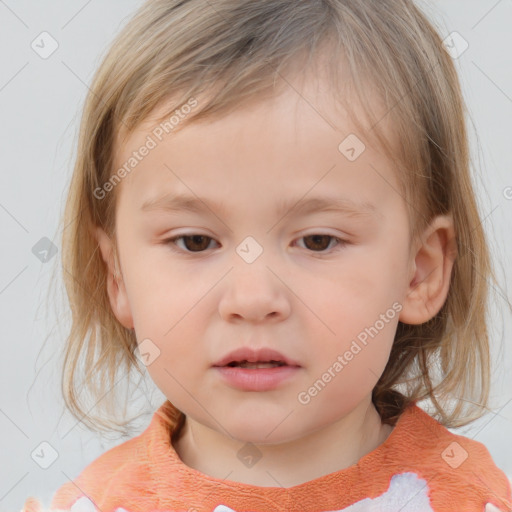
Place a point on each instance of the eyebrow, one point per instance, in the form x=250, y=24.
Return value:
x=176, y=203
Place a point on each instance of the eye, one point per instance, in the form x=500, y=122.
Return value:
x=191, y=241
x=197, y=243
x=318, y=241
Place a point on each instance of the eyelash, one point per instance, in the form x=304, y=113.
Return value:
x=172, y=242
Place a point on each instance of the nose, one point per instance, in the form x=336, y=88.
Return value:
x=254, y=292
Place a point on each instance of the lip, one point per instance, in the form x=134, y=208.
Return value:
x=254, y=356
x=256, y=379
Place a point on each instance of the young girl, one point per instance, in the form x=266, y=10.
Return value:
x=272, y=211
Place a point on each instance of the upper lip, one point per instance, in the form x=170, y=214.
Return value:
x=252, y=355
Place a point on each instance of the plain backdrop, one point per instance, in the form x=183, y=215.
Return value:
x=40, y=103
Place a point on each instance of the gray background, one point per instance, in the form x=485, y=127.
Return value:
x=40, y=101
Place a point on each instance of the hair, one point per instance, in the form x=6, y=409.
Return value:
x=231, y=52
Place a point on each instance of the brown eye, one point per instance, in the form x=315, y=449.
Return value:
x=192, y=243
x=319, y=243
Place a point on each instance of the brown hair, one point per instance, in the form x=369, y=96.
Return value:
x=228, y=53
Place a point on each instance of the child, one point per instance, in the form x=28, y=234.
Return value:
x=221, y=143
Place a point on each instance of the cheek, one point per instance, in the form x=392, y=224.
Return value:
x=362, y=307
x=364, y=347
x=181, y=360
x=166, y=305
x=161, y=297
x=349, y=369
x=353, y=295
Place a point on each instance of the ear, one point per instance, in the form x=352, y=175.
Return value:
x=431, y=264
x=115, y=285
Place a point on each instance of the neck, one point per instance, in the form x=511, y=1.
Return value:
x=331, y=448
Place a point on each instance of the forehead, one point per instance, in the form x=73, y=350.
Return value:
x=322, y=84
x=299, y=139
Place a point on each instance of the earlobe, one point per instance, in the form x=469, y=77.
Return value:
x=432, y=265
x=115, y=285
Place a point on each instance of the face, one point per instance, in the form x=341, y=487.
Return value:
x=258, y=264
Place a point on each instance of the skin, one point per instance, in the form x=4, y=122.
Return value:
x=307, y=301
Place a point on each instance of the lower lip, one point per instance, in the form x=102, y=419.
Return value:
x=256, y=379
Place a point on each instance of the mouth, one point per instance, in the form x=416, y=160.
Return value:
x=249, y=358
x=256, y=365
x=247, y=369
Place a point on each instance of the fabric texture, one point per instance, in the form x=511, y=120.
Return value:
x=421, y=467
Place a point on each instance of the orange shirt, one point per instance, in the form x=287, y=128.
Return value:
x=420, y=467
